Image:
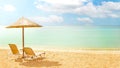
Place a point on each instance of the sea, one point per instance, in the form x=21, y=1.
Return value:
x=63, y=37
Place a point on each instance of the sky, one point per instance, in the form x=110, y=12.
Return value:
x=62, y=12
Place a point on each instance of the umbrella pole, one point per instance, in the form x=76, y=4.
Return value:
x=23, y=40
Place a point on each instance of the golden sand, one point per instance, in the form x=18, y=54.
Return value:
x=85, y=59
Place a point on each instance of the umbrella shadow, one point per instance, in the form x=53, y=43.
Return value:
x=45, y=63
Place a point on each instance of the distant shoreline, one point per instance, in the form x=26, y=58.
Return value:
x=80, y=50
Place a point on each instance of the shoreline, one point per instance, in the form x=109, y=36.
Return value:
x=80, y=50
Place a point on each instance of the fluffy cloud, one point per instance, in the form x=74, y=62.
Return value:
x=59, y=6
x=85, y=20
x=8, y=7
x=47, y=20
x=81, y=7
x=107, y=9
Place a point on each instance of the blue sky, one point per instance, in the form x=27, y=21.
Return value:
x=61, y=12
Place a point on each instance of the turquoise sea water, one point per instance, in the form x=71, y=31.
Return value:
x=64, y=37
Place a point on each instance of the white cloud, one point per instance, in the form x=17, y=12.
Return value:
x=107, y=9
x=8, y=8
x=85, y=20
x=81, y=7
x=59, y=5
x=66, y=2
x=111, y=5
x=47, y=20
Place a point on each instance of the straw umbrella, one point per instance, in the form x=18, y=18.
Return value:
x=23, y=23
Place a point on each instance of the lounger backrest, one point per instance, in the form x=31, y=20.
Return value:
x=14, y=49
x=29, y=51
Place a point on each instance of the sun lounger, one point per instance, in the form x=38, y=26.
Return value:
x=14, y=49
x=31, y=54
x=15, y=52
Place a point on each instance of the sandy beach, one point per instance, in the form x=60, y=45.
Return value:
x=61, y=59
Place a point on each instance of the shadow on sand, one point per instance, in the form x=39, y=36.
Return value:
x=45, y=63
